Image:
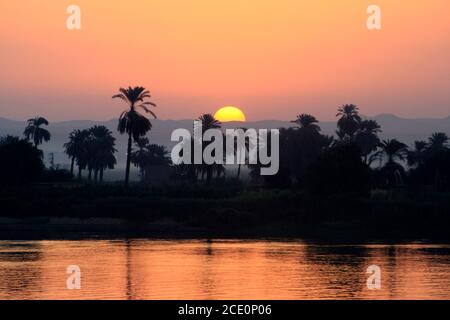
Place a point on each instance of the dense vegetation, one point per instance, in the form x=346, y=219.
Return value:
x=354, y=182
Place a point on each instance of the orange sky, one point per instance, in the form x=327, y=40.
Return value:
x=273, y=58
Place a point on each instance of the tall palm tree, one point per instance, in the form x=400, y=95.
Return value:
x=33, y=131
x=307, y=121
x=131, y=121
x=349, y=120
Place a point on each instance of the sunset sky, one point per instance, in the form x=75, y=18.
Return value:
x=272, y=58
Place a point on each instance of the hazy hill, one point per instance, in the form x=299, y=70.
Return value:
x=406, y=130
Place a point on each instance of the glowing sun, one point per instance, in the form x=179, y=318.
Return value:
x=229, y=113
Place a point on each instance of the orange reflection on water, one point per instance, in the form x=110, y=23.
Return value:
x=155, y=269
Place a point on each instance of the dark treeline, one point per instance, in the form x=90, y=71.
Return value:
x=353, y=178
x=355, y=160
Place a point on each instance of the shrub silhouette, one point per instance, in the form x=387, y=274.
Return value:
x=20, y=161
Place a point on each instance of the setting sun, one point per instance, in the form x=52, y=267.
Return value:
x=229, y=113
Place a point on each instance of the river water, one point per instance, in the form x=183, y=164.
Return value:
x=221, y=269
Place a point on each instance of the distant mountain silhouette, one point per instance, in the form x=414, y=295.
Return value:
x=405, y=130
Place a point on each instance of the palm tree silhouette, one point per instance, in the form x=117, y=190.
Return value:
x=307, y=121
x=208, y=122
x=33, y=131
x=73, y=147
x=418, y=155
x=238, y=152
x=138, y=157
x=148, y=155
x=131, y=121
x=438, y=141
x=370, y=126
x=349, y=120
x=102, y=156
x=300, y=146
x=77, y=149
x=367, y=138
x=82, y=140
x=394, y=150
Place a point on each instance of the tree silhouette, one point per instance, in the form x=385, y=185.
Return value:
x=349, y=120
x=434, y=170
x=102, y=151
x=131, y=121
x=208, y=122
x=338, y=169
x=34, y=132
x=394, y=152
x=92, y=149
x=77, y=149
x=367, y=139
x=307, y=121
x=149, y=155
x=20, y=161
x=138, y=157
x=237, y=152
x=302, y=145
x=417, y=156
x=438, y=142
x=73, y=147
x=425, y=150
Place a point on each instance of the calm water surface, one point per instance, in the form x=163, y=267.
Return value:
x=152, y=269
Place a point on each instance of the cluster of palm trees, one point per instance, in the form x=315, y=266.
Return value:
x=299, y=147
x=423, y=150
x=92, y=150
x=391, y=152
x=351, y=128
x=302, y=144
x=147, y=156
x=201, y=172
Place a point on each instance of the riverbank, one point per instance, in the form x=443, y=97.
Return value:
x=231, y=211
x=44, y=228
